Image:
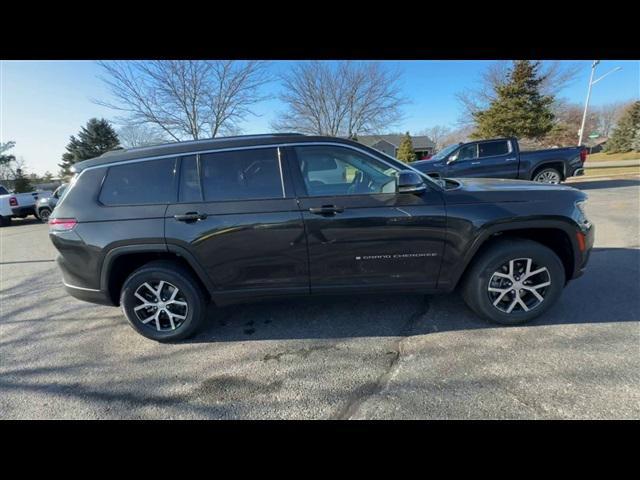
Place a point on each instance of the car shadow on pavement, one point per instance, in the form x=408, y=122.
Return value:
x=18, y=222
x=602, y=184
x=607, y=292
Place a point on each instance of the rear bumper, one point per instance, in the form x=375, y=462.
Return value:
x=20, y=211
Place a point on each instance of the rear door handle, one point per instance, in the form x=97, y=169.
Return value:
x=190, y=217
x=326, y=210
x=475, y=163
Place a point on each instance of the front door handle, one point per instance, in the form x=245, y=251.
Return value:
x=326, y=210
x=475, y=163
x=510, y=159
x=190, y=217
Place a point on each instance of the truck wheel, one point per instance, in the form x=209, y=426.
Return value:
x=513, y=281
x=548, y=175
x=163, y=301
x=5, y=221
x=43, y=214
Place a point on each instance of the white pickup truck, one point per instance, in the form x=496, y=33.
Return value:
x=18, y=204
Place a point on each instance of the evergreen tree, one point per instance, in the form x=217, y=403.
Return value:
x=635, y=145
x=94, y=139
x=22, y=183
x=622, y=138
x=405, y=150
x=519, y=109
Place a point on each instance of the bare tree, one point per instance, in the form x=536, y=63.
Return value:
x=343, y=99
x=185, y=99
x=556, y=76
x=132, y=136
x=437, y=133
x=609, y=114
x=462, y=134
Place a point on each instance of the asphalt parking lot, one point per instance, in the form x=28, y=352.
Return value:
x=365, y=357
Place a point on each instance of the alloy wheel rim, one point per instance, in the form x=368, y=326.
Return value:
x=44, y=215
x=518, y=286
x=160, y=305
x=548, y=177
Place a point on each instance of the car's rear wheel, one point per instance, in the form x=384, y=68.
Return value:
x=548, y=175
x=43, y=214
x=163, y=301
x=514, y=281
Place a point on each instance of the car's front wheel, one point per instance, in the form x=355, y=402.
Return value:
x=163, y=301
x=513, y=281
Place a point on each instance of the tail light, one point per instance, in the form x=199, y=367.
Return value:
x=13, y=201
x=62, y=224
x=583, y=155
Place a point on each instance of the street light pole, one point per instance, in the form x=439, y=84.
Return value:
x=592, y=82
x=586, y=105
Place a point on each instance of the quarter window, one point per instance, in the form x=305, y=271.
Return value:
x=492, y=149
x=242, y=175
x=140, y=183
x=342, y=171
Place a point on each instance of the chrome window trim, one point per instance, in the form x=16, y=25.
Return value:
x=284, y=195
x=255, y=147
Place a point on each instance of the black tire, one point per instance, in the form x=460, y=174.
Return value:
x=547, y=172
x=475, y=286
x=5, y=221
x=190, y=292
x=43, y=214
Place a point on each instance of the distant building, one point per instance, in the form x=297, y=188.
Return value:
x=423, y=146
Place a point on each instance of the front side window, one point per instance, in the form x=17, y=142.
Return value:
x=140, y=183
x=328, y=170
x=493, y=149
x=468, y=152
x=242, y=175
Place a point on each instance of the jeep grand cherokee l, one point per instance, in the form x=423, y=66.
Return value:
x=162, y=231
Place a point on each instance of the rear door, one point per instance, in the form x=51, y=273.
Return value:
x=237, y=215
x=361, y=234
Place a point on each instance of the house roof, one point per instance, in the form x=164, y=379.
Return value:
x=420, y=142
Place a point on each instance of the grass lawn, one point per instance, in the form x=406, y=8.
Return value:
x=593, y=172
x=605, y=157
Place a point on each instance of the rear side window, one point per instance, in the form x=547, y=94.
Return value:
x=3, y=191
x=242, y=175
x=140, y=183
x=491, y=149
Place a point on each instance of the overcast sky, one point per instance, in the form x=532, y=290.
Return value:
x=43, y=103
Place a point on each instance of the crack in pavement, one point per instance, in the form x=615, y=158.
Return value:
x=369, y=389
x=26, y=261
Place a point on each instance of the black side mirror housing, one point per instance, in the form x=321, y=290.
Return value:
x=410, y=182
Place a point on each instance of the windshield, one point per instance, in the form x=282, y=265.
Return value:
x=445, y=151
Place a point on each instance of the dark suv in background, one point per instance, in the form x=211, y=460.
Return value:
x=163, y=231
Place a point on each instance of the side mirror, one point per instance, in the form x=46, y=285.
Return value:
x=410, y=182
x=452, y=158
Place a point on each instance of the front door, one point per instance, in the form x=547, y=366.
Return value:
x=361, y=234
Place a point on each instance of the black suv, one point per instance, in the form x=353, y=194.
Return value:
x=164, y=230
